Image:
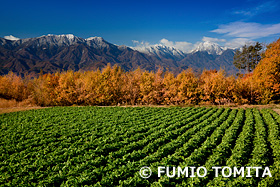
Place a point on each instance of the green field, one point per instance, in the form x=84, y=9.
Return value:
x=107, y=146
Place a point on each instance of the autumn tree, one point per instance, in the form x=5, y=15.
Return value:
x=44, y=89
x=245, y=91
x=131, y=87
x=216, y=87
x=88, y=86
x=66, y=90
x=170, y=89
x=147, y=87
x=157, y=93
x=13, y=86
x=116, y=83
x=188, y=91
x=267, y=74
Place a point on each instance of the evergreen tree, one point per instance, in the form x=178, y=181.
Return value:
x=248, y=57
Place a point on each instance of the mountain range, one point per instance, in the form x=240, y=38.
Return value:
x=52, y=53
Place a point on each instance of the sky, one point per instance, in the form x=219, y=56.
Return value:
x=181, y=24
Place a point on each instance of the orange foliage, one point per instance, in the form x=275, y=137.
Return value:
x=13, y=87
x=266, y=76
x=131, y=87
x=170, y=89
x=188, y=91
x=216, y=87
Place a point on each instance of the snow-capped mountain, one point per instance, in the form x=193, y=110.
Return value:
x=160, y=51
x=97, y=42
x=58, y=40
x=45, y=41
x=11, y=37
x=167, y=51
x=52, y=53
x=210, y=48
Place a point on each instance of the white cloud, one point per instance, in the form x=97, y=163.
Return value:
x=182, y=45
x=237, y=43
x=167, y=42
x=11, y=37
x=248, y=30
x=215, y=40
x=188, y=47
x=135, y=42
x=261, y=8
x=140, y=44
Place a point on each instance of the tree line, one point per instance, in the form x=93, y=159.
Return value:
x=113, y=86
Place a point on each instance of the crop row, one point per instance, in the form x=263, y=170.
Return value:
x=161, y=148
x=182, y=151
x=274, y=140
x=115, y=158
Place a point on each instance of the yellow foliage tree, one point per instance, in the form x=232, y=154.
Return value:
x=13, y=87
x=87, y=86
x=146, y=87
x=66, y=90
x=170, y=89
x=216, y=87
x=188, y=91
x=244, y=92
x=131, y=87
x=44, y=89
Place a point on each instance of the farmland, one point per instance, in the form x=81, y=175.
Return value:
x=107, y=146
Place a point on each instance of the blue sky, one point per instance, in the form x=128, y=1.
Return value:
x=176, y=23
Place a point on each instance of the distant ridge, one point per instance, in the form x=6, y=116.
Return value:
x=51, y=53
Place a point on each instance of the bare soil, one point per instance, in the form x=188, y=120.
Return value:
x=7, y=106
x=16, y=109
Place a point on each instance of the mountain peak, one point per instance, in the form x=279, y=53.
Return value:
x=209, y=47
x=11, y=37
x=58, y=40
x=98, y=42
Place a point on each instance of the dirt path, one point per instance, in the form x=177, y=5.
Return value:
x=277, y=110
x=15, y=109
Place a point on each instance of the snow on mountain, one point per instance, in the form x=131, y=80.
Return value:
x=210, y=48
x=167, y=51
x=11, y=37
x=161, y=51
x=95, y=41
x=59, y=40
x=158, y=50
x=98, y=42
x=53, y=53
